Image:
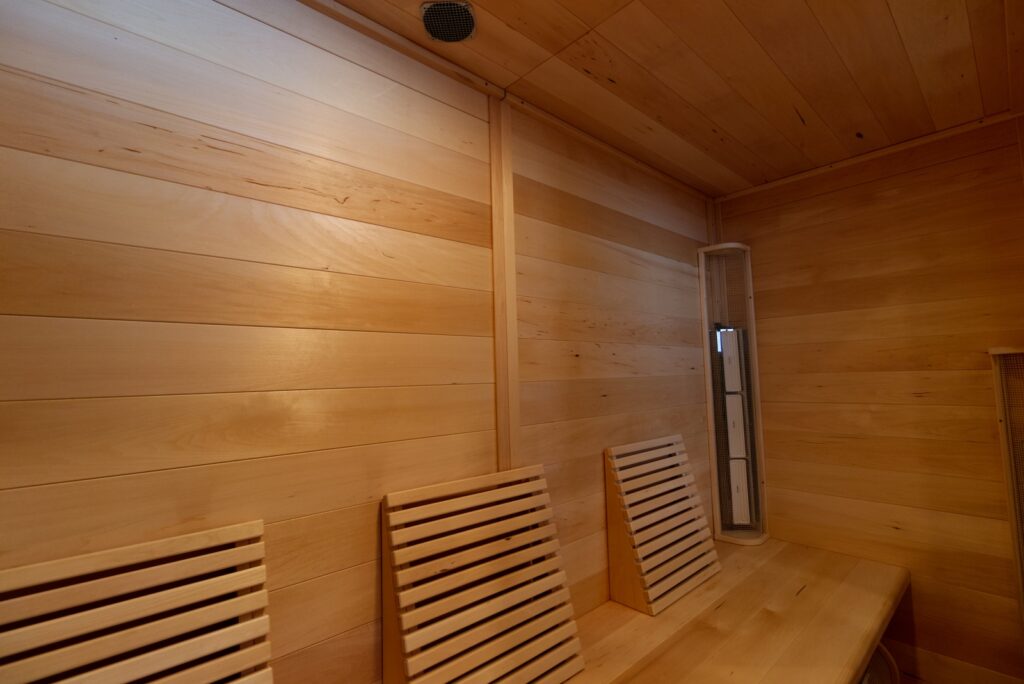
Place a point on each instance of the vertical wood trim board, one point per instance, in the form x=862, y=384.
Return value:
x=503, y=241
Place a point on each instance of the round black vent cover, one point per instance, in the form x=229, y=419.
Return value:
x=448, y=21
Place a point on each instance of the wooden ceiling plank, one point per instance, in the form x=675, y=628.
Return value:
x=988, y=33
x=866, y=37
x=711, y=29
x=593, y=12
x=646, y=39
x=1015, y=53
x=790, y=34
x=937, y=37
x=614, y=71
x=499, y=54
x=564, y=91
x=547, y=23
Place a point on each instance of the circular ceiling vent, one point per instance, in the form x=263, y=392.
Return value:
x=448, y=21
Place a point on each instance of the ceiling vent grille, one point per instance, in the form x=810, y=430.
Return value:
x=450, y=22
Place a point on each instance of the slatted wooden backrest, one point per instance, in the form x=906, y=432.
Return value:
x=183, y=609
x=473, y=584
x=659, y=543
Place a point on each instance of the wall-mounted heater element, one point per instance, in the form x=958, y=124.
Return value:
x=1009, y=369
x=727, y=313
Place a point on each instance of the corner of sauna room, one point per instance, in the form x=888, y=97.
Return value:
x=588, y=341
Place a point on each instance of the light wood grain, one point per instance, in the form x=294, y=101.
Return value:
x=166, y=147
x=355, y=46
x=110, y=592
x=222, y=97
x=193, y=27
x=58, y=197
x=442, y=603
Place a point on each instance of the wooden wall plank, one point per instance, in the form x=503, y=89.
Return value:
x=78, y=125
x=557, y=400
x=973, y=554
x=551, y=280
x=553, y=320
x=544, y=240
x=949, y=388
x=181, y=500
x=52, y=441
x=881, y=430
x=247, y=276
x=609, y=338
x=349, y=657
x=558, y=360
x=50, y=358
x=551, y=205
x=59, y=197
x=946, y=458
x=194, y=26
x=567, y=159
x=99, y=280
x=195, y=88
x=308, y=25
x=979, y=498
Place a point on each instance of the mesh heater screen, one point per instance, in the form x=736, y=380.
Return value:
x=726, y=289
x=1011, y=376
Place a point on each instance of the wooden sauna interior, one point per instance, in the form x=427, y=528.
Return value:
x=272, y=260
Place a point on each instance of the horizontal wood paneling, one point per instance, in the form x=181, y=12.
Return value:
x=80, y=125
x=57, y=197
x=880, y=288
x=101, y=358
x=246, y=275
x=553, y=319
x=609, y=341
x=113, y=281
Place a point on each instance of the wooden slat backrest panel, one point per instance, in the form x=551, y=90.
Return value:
x=473, y=583
x=183, y=609
x=659, y=542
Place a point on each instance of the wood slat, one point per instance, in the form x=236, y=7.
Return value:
x=410, y=534
x=71, y=657
x=659, y=545
x=473, y=581
x=132, y=612
x=13, y=579
x=172, y=656
x=62, y=598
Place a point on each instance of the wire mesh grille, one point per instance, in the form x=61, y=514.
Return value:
x=450, y=22
x=1011, y=371
x=726, y=289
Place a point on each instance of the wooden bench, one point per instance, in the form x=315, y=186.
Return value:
x=778, y=613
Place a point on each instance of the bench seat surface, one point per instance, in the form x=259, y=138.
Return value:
x=778, y=613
